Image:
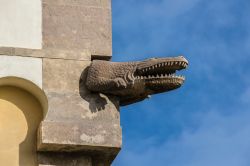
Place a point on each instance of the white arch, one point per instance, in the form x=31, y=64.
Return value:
x=28, y=86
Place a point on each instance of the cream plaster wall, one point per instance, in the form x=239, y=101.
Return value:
x=21, y=23
x=24, y=67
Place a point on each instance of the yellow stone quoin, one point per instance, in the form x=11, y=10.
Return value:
x=20, y=116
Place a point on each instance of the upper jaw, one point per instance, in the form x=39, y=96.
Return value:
x=161, y=67
x=160, y=77
x=175, y=63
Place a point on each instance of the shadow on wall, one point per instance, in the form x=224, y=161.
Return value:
x=97, y=101
x=20, y=116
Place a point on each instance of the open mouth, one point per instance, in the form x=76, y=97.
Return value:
x=162, y=71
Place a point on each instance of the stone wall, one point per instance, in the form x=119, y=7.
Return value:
x=67, y=29
x=79, y=127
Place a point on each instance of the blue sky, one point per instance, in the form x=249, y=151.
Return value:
x=207, y=121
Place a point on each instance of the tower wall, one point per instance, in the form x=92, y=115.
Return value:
x=51, y=44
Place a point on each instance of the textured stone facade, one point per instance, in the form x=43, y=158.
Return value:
x=79, y=127
x=78, y=25
x=75, y=115
x=71, y=29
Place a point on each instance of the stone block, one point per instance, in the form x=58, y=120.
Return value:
x=82, y=54
x=77, y=120
x=63, y=76
x=71, y=29
x=78, y=24
x=64, y=159
x=79, y=136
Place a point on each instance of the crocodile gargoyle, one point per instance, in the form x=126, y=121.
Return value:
x=135, y=81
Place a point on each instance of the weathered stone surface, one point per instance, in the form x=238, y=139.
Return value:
x=71, y=29
x=80, y=128
x=77, y=120
x=80, y=24
x=63, y=76
x=64, y=159
x=47, y=53
x=79, y=136
x=7, y=50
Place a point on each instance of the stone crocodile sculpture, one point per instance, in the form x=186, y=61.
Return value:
x=135, y=81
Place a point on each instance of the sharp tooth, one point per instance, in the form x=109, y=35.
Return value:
x=172, y=63
x=176, y=63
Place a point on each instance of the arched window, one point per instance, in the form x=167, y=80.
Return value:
x=23, y=106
